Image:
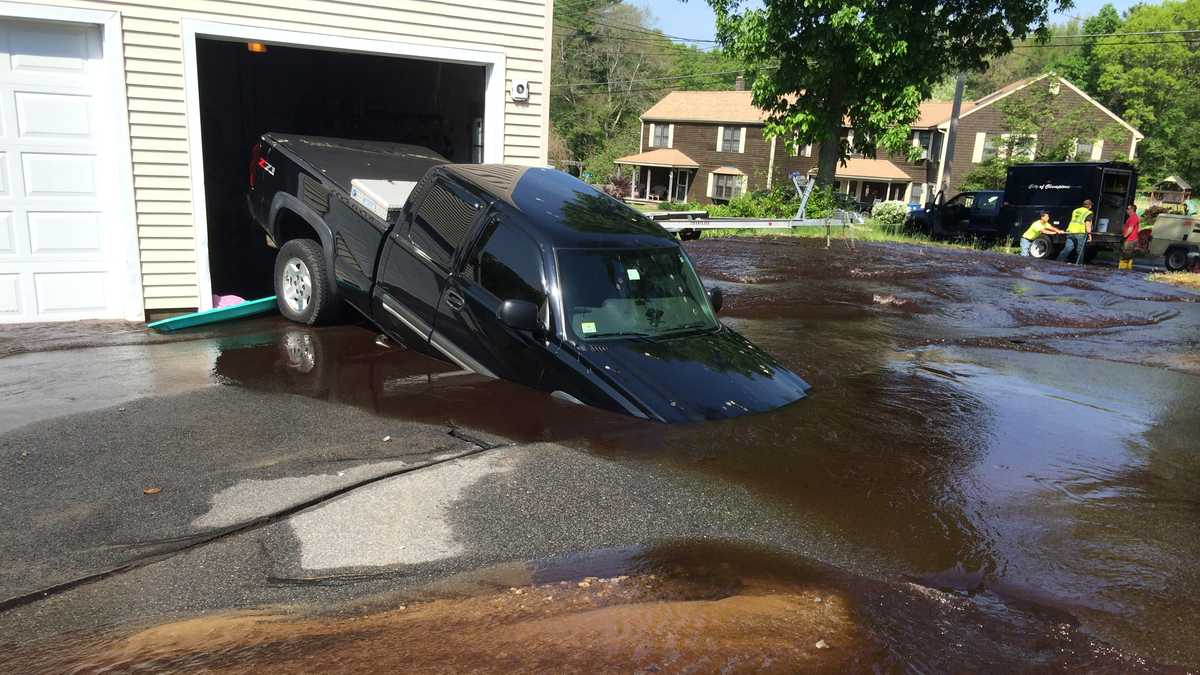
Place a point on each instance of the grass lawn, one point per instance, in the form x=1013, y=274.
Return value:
x=1187, y=279
x=868, y=231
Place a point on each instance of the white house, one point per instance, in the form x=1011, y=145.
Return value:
x=126, y=127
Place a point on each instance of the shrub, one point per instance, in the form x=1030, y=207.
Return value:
x=679, y=206
x=890, y=215
x=617, y=186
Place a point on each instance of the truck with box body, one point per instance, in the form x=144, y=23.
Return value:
x=1029, y=189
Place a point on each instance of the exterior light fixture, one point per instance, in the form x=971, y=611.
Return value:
x=256, y=48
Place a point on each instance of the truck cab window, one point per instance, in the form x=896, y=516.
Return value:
x=989, y=203
x=508, y=264
x=442, y=222
x=963, y=201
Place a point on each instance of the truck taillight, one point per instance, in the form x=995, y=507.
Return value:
x=255, y=159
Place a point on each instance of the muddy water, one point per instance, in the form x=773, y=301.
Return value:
x=687, y=608
x=1002, y=452
x=979, y=424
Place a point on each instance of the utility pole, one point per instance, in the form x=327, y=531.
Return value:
x=948, y=151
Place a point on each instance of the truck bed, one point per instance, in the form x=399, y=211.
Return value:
x=341, y=160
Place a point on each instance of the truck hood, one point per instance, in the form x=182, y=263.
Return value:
x=696, y=377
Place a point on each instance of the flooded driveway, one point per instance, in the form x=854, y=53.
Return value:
x=996, y=469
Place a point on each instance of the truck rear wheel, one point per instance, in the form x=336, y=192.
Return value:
x=1176, y=259
x=1040, y=248
x=302, y=288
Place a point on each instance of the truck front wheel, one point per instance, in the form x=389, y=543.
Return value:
x=302, y=288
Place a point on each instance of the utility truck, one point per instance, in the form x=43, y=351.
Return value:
x=1029, y=189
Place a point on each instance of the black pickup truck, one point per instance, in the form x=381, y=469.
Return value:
x=516, y=272
x=1029, y=189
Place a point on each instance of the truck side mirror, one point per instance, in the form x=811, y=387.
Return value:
x=716, y=298
x=519, y=315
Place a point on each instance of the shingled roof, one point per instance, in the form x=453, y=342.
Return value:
x=737, y=107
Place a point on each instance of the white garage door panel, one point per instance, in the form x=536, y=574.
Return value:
x=61, y=249
x=70, y=291
x=53, y=115
x=59, y=175
x=64, y=232
x=8, y=238
x=10, y=294
x=47, y=48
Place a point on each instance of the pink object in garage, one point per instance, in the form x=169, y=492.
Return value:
x=220, y=301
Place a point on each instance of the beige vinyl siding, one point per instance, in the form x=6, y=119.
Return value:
x=154, y=89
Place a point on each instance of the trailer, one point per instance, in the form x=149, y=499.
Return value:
x=690, y=224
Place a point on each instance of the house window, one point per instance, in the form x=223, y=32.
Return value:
x=917, y=194
x=991, y=147
x=661, y=135
x=922, y=139
x=731, y=139
x=935, y=149
x=798, y=150
x=1083, y=149
x=726, y=186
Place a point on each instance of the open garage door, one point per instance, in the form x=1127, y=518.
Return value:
x=245, y=90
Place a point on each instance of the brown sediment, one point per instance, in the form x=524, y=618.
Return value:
x=628, y=624
x=688, y=607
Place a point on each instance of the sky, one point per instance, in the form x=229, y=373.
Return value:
x=694, y=18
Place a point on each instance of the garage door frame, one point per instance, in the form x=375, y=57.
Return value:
x=113, y=111
x=191, y=29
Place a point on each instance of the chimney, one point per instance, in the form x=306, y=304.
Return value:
x=739, y=84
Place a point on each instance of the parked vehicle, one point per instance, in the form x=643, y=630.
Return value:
x=1175, y=238
x=515, y=272
x=1029, y=189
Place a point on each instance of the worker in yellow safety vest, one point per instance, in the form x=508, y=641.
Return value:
x=1039, y=227
x=1078, y=232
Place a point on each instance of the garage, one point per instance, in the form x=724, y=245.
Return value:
x=246, y=87
x=63, y=241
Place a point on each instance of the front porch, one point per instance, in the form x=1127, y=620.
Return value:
x=659, y=175
x=868, y=181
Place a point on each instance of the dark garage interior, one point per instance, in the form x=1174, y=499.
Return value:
x=244, y=94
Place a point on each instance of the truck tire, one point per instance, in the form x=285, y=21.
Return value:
x=1176, y=259
x=1040, y=248
x=1089, y=254
x=302, y=286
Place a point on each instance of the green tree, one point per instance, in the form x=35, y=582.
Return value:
x=817, y=64
x=1154, y=83
x=1081, y=65
x=606, y=61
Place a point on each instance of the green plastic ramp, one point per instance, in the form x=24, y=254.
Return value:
x=247, y=308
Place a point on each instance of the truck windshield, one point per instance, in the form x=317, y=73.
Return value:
x=609, y=293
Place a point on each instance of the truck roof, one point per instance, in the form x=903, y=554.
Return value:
x=562, y=208
x=1077, y=165
x=342, y=160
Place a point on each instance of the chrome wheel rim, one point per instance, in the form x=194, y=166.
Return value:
x=1038, y=249
x=300, y=352
x=297, y=285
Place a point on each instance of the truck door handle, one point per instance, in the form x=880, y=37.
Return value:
x=454, y=300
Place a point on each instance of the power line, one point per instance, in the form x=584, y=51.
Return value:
x=652, y=79
x=1140, y=33
x=1185, y=41
x=633, y=29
